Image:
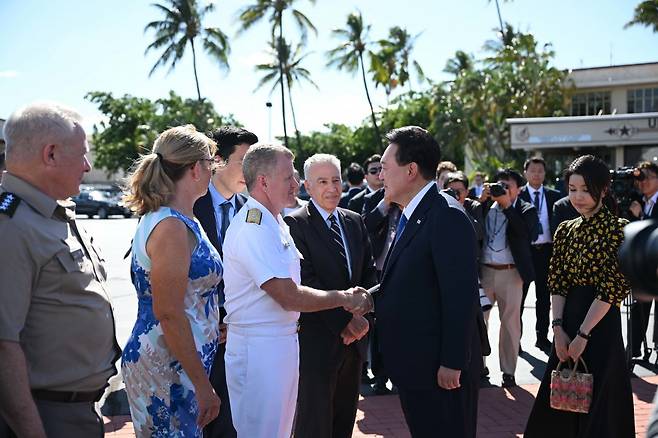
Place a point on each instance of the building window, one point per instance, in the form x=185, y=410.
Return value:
x=643, y=100
x=590, y=104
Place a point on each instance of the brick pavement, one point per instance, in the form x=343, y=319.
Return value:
x=502, y=413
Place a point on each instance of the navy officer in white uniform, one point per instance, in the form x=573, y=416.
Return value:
x=264, y=298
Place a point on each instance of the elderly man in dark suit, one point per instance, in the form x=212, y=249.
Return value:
x=336, y=254
x=215, y=210
x=428, y=299
x=541, y=249
x=506, y=264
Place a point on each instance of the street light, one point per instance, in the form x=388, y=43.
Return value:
x=269, y=120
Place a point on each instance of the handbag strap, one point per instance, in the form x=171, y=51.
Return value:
x=560, y=365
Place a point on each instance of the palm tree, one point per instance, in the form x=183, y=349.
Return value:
x=283, y=55
x=181, y=25
x=462, y=62
x=274, y=9
x=349, y=54
x=646, y=14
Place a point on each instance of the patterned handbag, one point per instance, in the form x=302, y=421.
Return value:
x=571, y=390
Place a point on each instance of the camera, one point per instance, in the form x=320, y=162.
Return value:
x=497, y=189
x=638, y=256
x=623, y=186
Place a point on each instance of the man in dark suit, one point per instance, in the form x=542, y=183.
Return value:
x=336, y=254
x=641, y=210
x=563, y=211
x=510, y=224
x=214, y=211
x=541, y=249
x=478, y=185
x=372, y=166
x=354, y=175
x=428, y=299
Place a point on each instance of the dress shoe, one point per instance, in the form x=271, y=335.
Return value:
x=365, y=378
x=379, y=388
x=508, y=381
x=484, y=373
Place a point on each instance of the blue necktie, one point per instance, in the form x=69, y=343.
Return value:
x=401, y=225
x=226, y=207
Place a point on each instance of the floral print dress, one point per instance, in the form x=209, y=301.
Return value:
x=161, y=395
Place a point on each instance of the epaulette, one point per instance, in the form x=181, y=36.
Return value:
x=9, y=203
x=254, y=216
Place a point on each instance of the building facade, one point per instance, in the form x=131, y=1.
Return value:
x=613, y=115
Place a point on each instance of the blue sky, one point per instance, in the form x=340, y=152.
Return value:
x=60, y=50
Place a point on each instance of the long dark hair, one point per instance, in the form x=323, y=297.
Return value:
x=597, y=179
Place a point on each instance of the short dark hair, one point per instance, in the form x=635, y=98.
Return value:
x=372, y=159
x=228, y=137
x=648, y=165
x=595, y=173
x=456, y=177
x=534, y=160
x=508, y=174
x=355, y=174
x=416, y=145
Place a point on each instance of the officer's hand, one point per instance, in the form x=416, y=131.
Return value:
x=358, y=301
x=448, y=378
x=636, y=209
x=209, y=404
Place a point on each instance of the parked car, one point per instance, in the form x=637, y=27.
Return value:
x=103, y=203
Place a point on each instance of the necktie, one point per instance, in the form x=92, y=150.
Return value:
x=648, y=209
x=338, y=239
x=401, y=225
x=536, y=202
x=226, y=208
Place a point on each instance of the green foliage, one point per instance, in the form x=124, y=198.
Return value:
x=133, y=123
x=645, y=14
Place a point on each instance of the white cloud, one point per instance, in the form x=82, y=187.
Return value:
x=8, y=74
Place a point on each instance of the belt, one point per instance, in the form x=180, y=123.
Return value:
x=500, y=267
x=67, y=396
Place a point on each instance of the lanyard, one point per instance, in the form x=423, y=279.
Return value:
x=496, y=231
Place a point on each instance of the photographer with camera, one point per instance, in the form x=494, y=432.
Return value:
x=587, y=289
x=510, y=225
x=647, y=184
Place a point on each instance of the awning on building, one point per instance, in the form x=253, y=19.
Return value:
x=583, y=131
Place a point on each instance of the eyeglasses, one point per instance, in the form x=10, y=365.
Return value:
x=374, y=170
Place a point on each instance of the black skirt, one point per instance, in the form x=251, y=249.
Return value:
x=611, y=412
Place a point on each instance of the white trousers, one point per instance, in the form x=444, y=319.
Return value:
x=262, y=375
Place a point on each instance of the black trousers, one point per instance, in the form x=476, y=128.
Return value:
x=437, y=412
x=65, y=420
x=541, y=257
x=640, y=313
x=328, y=389
x=222, y=426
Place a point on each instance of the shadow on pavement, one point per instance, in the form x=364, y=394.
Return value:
x=538, y=365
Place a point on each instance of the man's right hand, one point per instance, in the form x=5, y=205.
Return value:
x=357, y=300
x=486, y=191
x=636, y=209
x=209, y=404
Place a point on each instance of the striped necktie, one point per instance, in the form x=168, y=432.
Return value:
x=338, y=239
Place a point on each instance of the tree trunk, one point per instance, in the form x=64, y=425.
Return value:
x=500, y=20
x=372, y=111
x=283, y=92
x=196, y=77
x=294, y=123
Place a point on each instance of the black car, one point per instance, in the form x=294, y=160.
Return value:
x=103, y=203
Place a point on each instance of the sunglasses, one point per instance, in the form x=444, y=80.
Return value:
x=374, y=170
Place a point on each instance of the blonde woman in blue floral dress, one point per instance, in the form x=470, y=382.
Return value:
x=175, y=270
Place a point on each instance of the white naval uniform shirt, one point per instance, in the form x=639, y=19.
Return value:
x=254, y=254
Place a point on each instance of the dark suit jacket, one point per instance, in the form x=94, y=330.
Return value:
x=376, y=222
x=550, y=198
x=356, y=203
x=522, y=229
x=563, y=211
x=204, y=211
x=428, y=300
x=322, y=268
x=471, y=193
x=347, y=196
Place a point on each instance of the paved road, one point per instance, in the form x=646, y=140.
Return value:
x=113, y=236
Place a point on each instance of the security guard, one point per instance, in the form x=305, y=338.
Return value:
x=263, y=300
x=57, y=334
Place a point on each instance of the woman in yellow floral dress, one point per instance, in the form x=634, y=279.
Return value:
x=587, y=290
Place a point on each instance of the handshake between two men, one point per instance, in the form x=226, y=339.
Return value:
x=359, y=302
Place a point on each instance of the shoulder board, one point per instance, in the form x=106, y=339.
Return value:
x=254, y=216
x=8, y=203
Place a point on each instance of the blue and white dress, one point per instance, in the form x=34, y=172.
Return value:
x=160, y=393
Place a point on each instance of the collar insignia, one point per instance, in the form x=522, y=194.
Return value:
x=8, y=203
